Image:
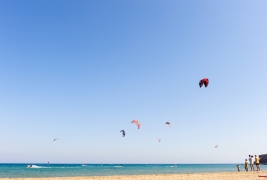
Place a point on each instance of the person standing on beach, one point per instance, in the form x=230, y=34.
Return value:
x=251, y=162
x=246, y=164
x=238, y=168
x=257, y=161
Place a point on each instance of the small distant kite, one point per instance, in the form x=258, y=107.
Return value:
x=169, y=124
x=159, y=139
x=123, y=133
x=137, y=123
x=216, y=146
x=55, y=140
x=204, y=81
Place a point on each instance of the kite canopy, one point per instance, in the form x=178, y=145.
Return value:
x=123, y=133
x=169, y=124
x=159, y=139
x=216, y=145
x=204, y=81
x=137, y=123
x=55, y=140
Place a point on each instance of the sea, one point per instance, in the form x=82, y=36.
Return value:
x=72, y=170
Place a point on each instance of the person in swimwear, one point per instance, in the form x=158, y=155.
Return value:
x=257, y=162
x=238, y=168
x=246, y=164
x=251, y=162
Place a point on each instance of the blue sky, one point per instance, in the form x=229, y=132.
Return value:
x=80, y=71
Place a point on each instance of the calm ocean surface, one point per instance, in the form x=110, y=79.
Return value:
x=67, y=170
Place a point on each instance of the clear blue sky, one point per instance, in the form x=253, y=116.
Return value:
x=81, y=70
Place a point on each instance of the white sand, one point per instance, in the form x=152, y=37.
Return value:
x=189, y=176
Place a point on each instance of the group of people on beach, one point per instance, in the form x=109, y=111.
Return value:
x=251, y=163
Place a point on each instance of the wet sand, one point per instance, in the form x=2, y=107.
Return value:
x=187, y=176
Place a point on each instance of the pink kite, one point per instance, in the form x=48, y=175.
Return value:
x=137, y=123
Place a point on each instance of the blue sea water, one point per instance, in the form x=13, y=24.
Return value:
x=69, y=170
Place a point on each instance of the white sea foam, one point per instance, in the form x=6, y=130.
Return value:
x=35, y=166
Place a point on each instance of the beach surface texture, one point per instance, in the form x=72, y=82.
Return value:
x=188, y=176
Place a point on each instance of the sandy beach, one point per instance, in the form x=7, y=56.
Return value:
x=189, y=176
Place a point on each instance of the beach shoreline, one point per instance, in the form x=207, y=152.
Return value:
x=185, y=176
